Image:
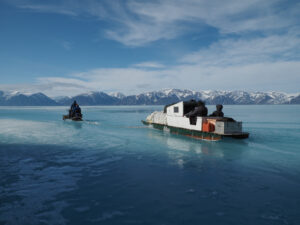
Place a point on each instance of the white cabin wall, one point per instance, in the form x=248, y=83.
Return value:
x=184, y=122
x=176, y=119
x=170, y=109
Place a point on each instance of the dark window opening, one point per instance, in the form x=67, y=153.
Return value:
x=193, y=120
x=189, y=106
x=176, y=109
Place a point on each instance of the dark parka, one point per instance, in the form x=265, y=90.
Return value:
x=200, y=110
x=218, y=112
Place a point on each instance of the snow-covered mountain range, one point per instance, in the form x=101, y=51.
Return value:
x=162, y=97
x=24, y=99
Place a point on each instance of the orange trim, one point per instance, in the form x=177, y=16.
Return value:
x=210, y=138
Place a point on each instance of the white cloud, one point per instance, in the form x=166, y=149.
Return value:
x=265, y=76
x=279, y=76
x=167, y=19
x=258, y=64
x=137, y=23
x=150, y=65
x=247, y=51
x=263, y=56
x=49, y=9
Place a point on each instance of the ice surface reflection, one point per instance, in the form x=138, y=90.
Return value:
x=185, y=150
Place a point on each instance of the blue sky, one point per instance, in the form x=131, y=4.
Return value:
x=130, y=46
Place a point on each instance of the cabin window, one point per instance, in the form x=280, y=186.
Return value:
x=176, y=109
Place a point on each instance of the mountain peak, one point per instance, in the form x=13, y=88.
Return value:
x=118, y=95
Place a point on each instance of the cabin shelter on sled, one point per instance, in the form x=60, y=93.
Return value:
x=204, y=127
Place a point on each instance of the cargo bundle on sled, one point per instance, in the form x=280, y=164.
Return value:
x=74, y=118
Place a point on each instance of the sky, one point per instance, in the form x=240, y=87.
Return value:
x=67, y=47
